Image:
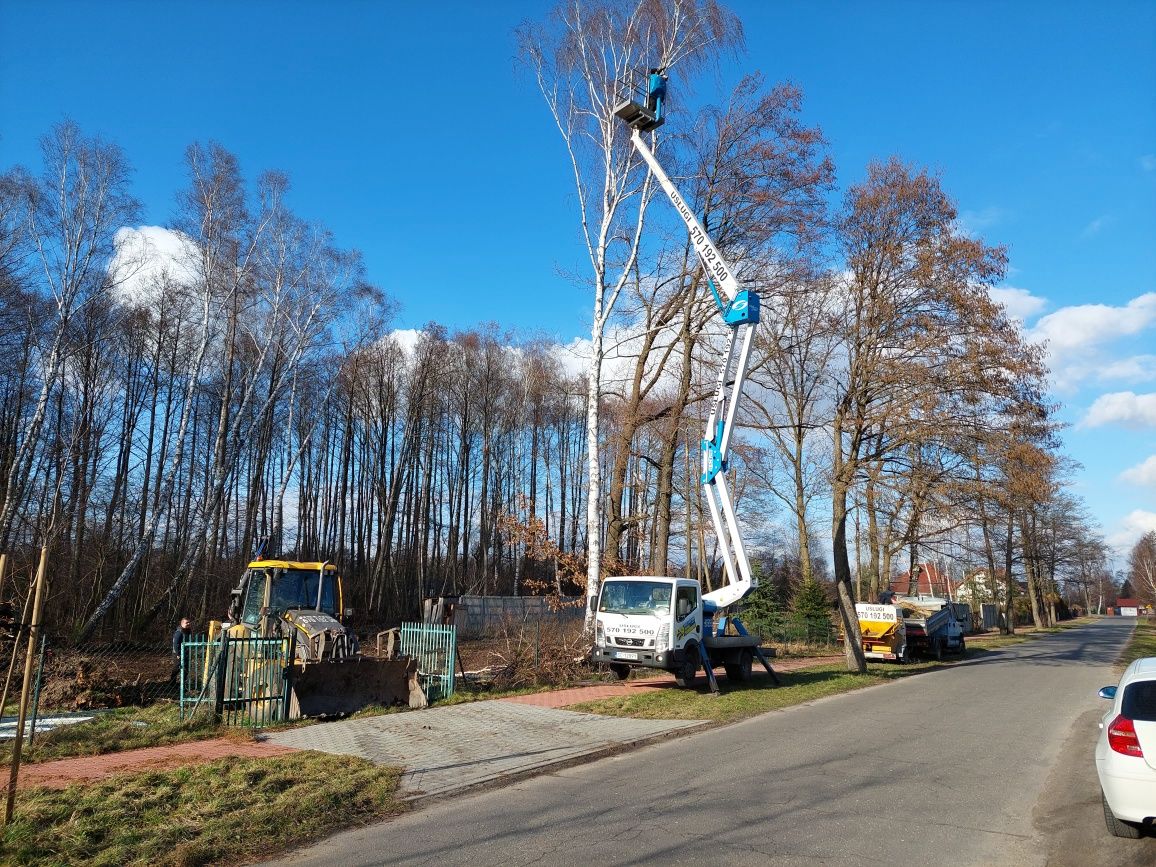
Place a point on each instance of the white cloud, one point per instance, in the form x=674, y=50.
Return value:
x=1086, y=325
x=1148, y=162
x=145, y=258
x=1138, y=368
x=1134, y=525
x=1124, y=408
x=1019, y=303
x=1142, y=474
x=406, y=338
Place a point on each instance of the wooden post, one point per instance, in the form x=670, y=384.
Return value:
x=3, y=573
x=33, y=631
x=21, y=628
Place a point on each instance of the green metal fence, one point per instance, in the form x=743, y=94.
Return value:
x=434, y=647
x=242, y=680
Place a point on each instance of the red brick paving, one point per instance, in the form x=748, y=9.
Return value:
x=63, y=772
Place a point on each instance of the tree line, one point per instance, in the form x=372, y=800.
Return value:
x=162, y=411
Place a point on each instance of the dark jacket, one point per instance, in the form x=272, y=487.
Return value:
x=178, y=639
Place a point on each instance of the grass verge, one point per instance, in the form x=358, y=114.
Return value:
x=756, y=697
x=123, y=729
x=1143, y=642
x=217, y=813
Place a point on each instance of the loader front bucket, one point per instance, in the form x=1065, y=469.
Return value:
x=343, y=687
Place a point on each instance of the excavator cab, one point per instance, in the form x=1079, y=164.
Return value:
x=642, y=105
x=276, y=587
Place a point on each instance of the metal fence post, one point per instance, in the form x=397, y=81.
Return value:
x=222, y=675
x=287, y=677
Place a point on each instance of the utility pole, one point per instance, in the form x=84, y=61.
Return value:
x=33, y=631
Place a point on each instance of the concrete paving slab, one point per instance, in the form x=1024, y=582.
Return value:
x=447, y=750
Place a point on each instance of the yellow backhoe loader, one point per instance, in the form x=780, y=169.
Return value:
x=303, y=605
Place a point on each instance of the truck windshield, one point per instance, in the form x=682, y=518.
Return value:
x=635, y=597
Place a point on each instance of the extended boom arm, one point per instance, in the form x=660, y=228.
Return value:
x=740, y=311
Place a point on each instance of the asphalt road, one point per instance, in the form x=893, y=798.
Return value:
x=945, y=767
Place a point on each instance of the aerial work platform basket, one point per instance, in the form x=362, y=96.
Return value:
x=642, y=100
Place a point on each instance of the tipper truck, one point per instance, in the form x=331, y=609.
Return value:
x=909, y=627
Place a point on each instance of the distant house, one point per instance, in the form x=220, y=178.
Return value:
x=976, y=588
x=1129, y=607
x=931, y=579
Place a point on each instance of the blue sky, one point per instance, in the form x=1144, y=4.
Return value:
x=410, y=131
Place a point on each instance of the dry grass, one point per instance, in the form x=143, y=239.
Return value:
x=222, y=812
x=1143, y=642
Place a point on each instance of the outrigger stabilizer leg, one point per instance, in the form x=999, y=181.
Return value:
x=708, y=667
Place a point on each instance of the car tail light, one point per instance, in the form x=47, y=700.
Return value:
x=1122, y=737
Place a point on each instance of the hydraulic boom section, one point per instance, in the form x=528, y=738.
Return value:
x=740, y=311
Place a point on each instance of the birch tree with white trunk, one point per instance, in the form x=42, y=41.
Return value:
x=581, y=57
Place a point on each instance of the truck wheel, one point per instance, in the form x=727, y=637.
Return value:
x=938, y=652
x=740, y=672
x=684, y=675
x=620, y=670
x=962, y=646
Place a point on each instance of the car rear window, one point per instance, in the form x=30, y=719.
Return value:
x=1140, y=701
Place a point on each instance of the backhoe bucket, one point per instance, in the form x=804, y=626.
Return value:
x=346, y=686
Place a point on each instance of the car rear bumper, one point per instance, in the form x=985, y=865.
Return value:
x=1131, y=794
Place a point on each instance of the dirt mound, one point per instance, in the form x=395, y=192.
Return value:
x=83, y=680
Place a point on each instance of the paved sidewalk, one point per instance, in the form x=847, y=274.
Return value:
x=450, y=749
x=64, y=772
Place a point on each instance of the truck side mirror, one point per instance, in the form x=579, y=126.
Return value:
x=682, y=608
x=591, y=603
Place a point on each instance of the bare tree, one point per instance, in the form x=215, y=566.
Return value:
x=580, y=59
x=68, y=216
x=920, y=340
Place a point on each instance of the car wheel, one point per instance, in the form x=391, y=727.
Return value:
x=740, y=671
x=620, y=670
x=1118, y=827
x=684, y=675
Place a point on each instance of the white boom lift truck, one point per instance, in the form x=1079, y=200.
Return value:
x=669, y=623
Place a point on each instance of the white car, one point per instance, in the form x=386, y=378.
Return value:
x=1126, y=751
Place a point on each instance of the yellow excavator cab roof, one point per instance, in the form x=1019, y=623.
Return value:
x=290, y=564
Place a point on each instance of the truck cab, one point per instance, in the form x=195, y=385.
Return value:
x=647, y=621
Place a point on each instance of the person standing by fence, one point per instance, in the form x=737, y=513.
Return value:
x=183, y=631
